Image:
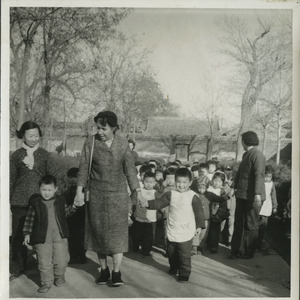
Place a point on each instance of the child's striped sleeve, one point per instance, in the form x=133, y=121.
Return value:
x=29, y=220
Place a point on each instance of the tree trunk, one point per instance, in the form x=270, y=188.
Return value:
x=64, y=150
x=23, y=83
x=209, y=147
x=264, y=141
x=278, y=142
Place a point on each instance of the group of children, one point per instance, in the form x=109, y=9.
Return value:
x=209, y=215
x=195, y=203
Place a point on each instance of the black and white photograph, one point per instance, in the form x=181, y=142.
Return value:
x=149, y=149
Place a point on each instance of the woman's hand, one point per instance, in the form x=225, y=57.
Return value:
x=79, y=198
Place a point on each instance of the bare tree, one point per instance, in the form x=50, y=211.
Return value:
x=263, y=117
x=54, y=36
x=208, y=104
x=258, y=54
x=279, y=101
x=126, y=84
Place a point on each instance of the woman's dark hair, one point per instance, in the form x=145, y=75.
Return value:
x=250, y=138
x=131, y=142
x=183, y=172
x=72, y=172
x=26, y=126
x=220, y=175
x=48, y=179
x=107, y=118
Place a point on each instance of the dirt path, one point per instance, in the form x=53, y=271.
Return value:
x=213, y=275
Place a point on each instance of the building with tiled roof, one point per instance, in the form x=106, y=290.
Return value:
x=166, y=126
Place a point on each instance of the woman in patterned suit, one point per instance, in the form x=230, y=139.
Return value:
x=108, y=210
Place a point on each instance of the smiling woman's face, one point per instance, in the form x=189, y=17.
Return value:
x=106, y=132
x=31, y=137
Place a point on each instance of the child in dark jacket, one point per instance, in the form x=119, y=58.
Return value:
x=46, y=229
x=208, y=199
x=75, y=221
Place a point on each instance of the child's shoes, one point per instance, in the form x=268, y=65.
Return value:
x=59, y=281
x=44, y=288
x=194, y=250
x=200, y=251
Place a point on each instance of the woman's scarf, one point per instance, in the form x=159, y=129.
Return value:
x=29, y=159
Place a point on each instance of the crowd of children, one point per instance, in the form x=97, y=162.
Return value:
x=195, y=204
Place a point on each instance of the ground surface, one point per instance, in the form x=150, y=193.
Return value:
x=213, y=275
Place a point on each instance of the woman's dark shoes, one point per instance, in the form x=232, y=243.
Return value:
x=246, y=256
x=116, y=278
x=234, y=255
x=15, y=275
x=183, y=279
x=173, y=271
x=213, y=250
x=104, y=276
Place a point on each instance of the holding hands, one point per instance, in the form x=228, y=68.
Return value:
x=198, y=231
x=141, y=200
x=79, y=198
x=27, y=241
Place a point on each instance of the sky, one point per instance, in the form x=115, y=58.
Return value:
x=184, y=44
x=186, y=48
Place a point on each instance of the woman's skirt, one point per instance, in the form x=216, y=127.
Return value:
x=106, y=225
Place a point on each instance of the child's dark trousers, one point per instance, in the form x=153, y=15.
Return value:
x=213, y=235
x=142, y=235
x=180, y=257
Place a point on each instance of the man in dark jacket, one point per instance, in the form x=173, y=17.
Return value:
x=249, y=192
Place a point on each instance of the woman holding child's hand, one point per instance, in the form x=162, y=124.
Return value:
x=112, y=168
